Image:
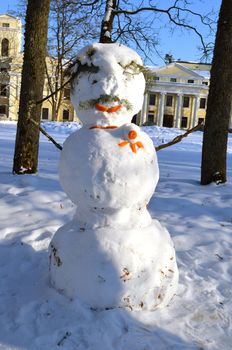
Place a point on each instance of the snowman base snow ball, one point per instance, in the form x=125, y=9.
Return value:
x=112, y=254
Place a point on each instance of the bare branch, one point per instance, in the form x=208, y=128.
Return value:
x=174, y=19
x=53, y=93
x=178, y=138
x=50, y=138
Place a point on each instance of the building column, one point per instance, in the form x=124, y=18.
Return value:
x=230, y=122
x=161, y=109
x=196, y=102
x=144, y=109
x=177, y=122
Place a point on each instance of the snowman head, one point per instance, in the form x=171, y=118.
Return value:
x=107, y=84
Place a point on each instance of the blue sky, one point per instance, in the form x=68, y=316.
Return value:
x=180, y=44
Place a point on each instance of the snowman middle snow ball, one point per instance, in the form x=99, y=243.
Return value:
x=112, y=254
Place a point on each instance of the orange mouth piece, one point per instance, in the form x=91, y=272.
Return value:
x=103, y=108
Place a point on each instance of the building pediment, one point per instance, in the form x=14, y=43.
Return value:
x=6, y=16
x=178, y=70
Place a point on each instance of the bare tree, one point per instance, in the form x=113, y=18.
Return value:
x=213, y=166
x=27, y=138
x=125, y=20
x=69, y=28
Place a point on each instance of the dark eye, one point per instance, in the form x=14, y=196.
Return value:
x=94, y=82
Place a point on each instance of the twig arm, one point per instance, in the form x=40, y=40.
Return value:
x=178, y=138
x=46, y=134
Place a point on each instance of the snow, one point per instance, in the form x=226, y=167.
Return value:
x=110, y=75
x=108, y=11
x=112, y=254
x=34, y=316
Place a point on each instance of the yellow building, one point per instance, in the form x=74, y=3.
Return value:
x=11, y=60
x=178, y=95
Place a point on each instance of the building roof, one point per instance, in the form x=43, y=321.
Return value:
x=191, y=69
x=6, y=15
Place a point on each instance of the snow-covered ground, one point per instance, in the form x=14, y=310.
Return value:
x=34, y=316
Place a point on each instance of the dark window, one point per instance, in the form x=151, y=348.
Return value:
x=186, y=102
x=168, y=121
x=156, y=78
x=152, y=100
x=150, y=118
x=200, y=120
x=45, y=113
x=5, y=48
x=2, y=109
x=184, y=122
x=6, y=25
x=67, y=93
x=65, y=114
x=202, y=103
x=173, y=80
x=205, y=83
x=169, y=101
x=3, y=90
x=190, y=81
x=134, y=119
x=4, y=69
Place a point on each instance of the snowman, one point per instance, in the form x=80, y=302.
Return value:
x=112, y=254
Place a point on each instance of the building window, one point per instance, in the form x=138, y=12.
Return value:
x=168, y=121
x=202, y=103
x=2, y=109
x=201, y=120
x=184, y=122
x=169, y=100
x=65, y=114
x=186, y=102
x=173, y=80
x=156, y=78
x=134, y=119
x=45, y=113
x=205, y=83
x=150, y=118
x=67, y=94
x=3, y=90
x=4, y=70
x=190, y=81
x=5, y=48
x=6, y=25
x=152, y=100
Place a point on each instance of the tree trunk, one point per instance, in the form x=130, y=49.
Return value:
x=213, y=167
x=33, y=73
x=107, y=23
x=54, y=115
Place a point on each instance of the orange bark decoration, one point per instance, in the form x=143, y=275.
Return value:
x=103, y=127
x=133, y=145
x=132, y=134
x=139, y=144
x=123, y=143
x=103, y=108
x=113, y=109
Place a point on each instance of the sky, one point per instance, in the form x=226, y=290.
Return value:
x=180, y=44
